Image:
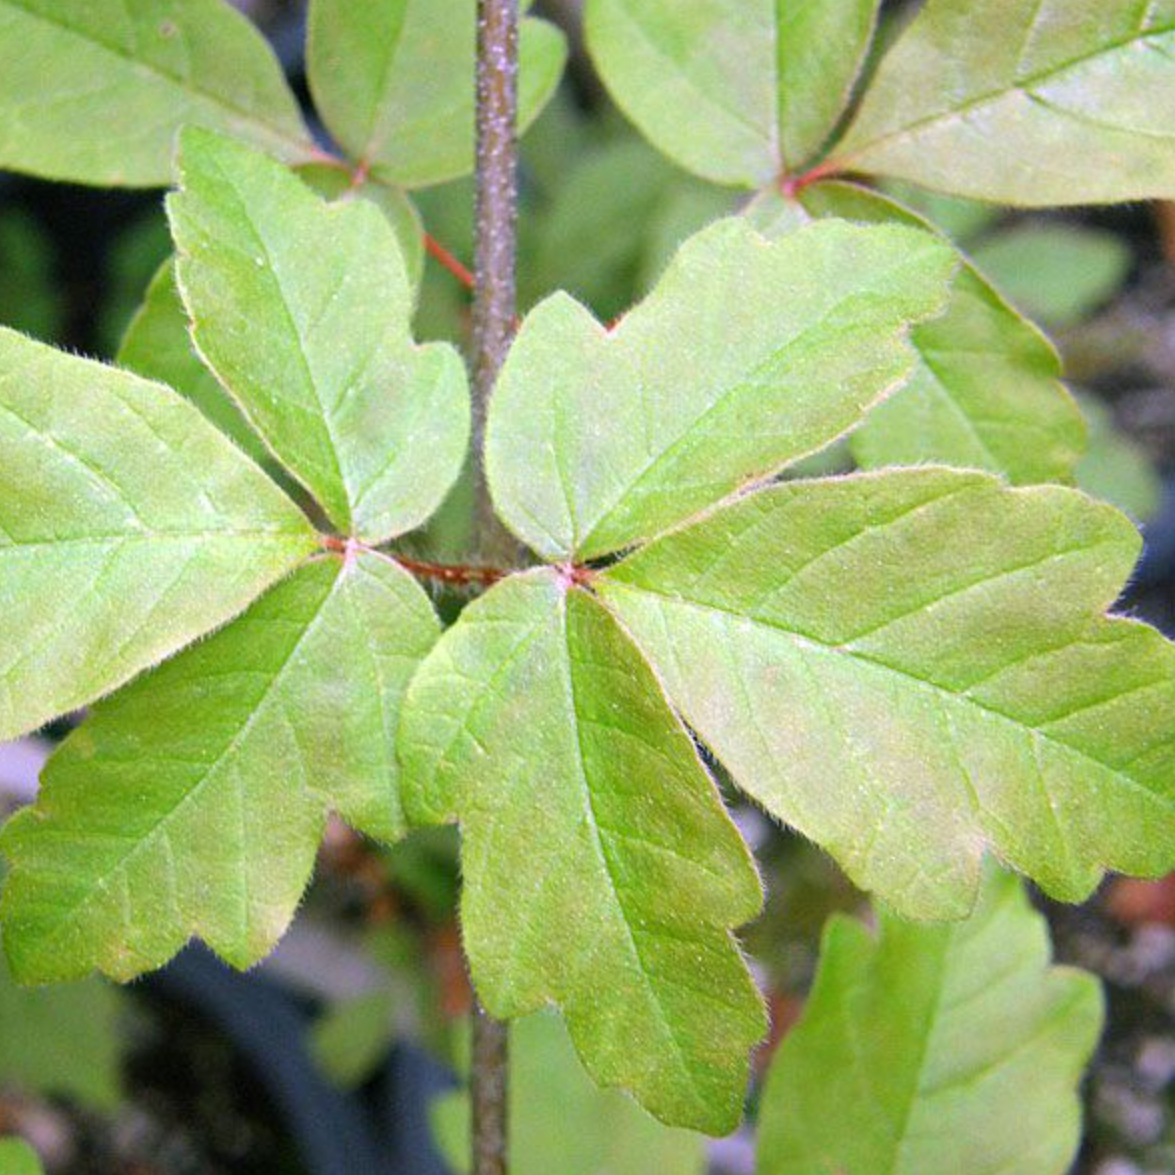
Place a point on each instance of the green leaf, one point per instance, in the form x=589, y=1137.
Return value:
x=192, y=802
x=1059, y=274
x=737, y=91
x=393, y=80
x=601, y=870
x=157, y=346
x=303, y=308
x=747, y=356
x=1115, y=468
x=1030, y=102
x=95, y=92
x=30, y=297
x=912, y=667
x=351, y=1038
x=934, y=1048
x=128, y=527
x=61, y=1041
x=18, y=1158
x=962, y=220
x=559, y=1121
x=985, y=392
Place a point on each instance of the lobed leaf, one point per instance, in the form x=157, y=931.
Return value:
x=303, y=310
x=95, y=92
x=912, y=668
x=934, y=1048
x=985, y=392
x=192, y=802
x=601, y=870
x=393, y=80
x=129, y=526
x=747, y=356
x=764, y=83
x=1030, y=102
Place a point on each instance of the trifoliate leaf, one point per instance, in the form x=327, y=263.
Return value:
x=302, y=308
x=602, y=873
x=559, y=1121
x=192, y=802
x=129, y=526
x=62, y=1041
x=393, y=80
x=18, y=1158
x=1059, y=274
x=1030, y=102
x=747, y=356
x=912, y=667
x=934, y=1048
x=95, y=92
x=737, y=91
x=985, y=392
x=157, y=346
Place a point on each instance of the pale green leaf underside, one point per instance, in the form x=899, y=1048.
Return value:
x=95, y=92
x=158, y=346
x=912, y=668
x=393, y=80
x=1031, y=102
x=18, y=1158
x=192, y=802
x=985, y=392
x=934, y=1049
x=560, y=1122
x=748, y=355
x=303, y=310
x=602, y=873
x=128, y=527
x=62, y=1041
x=738, y=91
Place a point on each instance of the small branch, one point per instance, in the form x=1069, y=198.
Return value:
x=489, y=1093
x=458, y=574
x=439, y=253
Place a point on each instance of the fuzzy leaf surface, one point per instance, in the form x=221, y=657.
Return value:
x=303, y=309
x=394, y=82
x=157, y=346
x=764, y=83
x=559, y=1121
x=192, y=802
x=1029, y=102
x=934, y=1048
x=129, y=526
x=747, y=356
x=912, y=668
x=985, y=392
x=95, y=92
x=602, y=873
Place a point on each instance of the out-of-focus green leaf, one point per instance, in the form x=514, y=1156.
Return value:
x=561, y=1122
x=1057, y=274
x=192, y=802
x=303, y=310
x=129, y=526
x=962, y=220
x=747, y=356
x=601, y=872
x=393, y=80
x=18, y=1158
x=1029, y=102
x=352, y=1037
x=686, y=208
x=1116, y=469
x=157, y=345
x=30, y=299
x=737, y=91
x=95, y=92
x=985, y=392
x=934, y=1049
x=61, y=1041
x=913, y=668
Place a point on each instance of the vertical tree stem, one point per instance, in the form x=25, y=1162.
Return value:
x=493, y=325
x=495, y=217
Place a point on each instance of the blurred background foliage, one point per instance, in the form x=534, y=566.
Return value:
x=334, y=1056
